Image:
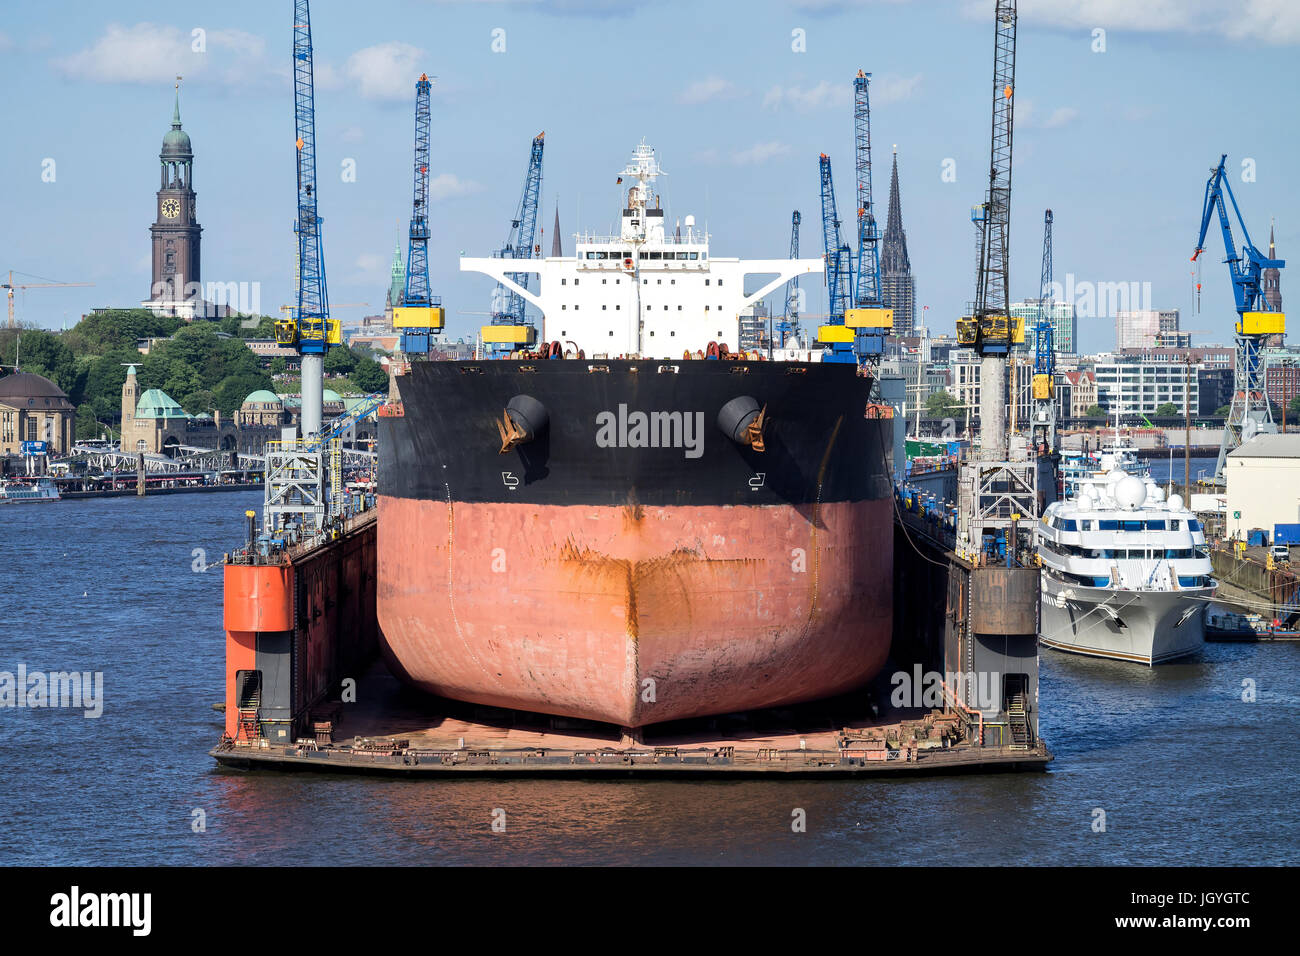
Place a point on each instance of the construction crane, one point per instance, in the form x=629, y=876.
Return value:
x=420, y=314
x=10, y=286
x=839, y=274
x=1249, y=413
x=989, y=329
x=870, y=320
x=1044, y=380
x=520, y=245
x=789, y=324
x=309, y=328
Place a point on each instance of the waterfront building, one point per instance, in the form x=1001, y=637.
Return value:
x=34, y=409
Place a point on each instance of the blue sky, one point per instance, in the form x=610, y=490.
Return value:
x=1118, y=143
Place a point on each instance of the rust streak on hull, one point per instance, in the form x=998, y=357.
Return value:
x=570, y=609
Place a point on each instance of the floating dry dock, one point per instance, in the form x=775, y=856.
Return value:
x=306, y=689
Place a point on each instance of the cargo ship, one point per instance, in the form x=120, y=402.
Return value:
x=627, y=519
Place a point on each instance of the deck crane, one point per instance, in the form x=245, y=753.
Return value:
x=309, y=329
x=510, y=325
x=1044, y=380
x=868, y=317
x=839, y=274
x=1250, y=412
x=989, y=329
x=789, y=324
x=419, y=314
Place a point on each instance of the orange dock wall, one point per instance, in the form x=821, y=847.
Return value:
x=571, y=609
x=305, y=625
x=257, y=599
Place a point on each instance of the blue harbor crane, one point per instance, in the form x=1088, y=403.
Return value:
x=1256, y=322
x=520, y=244
x=871, y=321
x=839, y=274
x=310, y=329
x=1044, y=380
x=989, y=328
x=419, y=314
x=789, y=324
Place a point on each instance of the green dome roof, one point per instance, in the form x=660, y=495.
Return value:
x=263, y=396
x=329, y=395
x=155, y=403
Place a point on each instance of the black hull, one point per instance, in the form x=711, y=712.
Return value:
x=820, y=445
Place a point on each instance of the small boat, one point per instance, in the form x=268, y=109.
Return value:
x=43, y=489
x=1224, y=625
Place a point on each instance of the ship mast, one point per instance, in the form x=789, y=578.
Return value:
x=643, y=168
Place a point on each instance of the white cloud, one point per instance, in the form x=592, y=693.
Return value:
x=1268, y=21
x=1027, y=116
x=709, y=88
x=448, y=185
x=885, y=88
x=353, y=134
x=888, y=88
x=369, y=262
x=144, y=53
x=150, y=54
x=386, y=71
x=1061, y=116
x=760, y=153
x=822, y=95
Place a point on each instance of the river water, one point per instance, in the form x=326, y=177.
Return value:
x=1183, y=768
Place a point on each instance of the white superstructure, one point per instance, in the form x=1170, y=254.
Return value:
x=645, y=292
x=1126, y=574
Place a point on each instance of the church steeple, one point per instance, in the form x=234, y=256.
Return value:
x=557, y=248
x=175, y=231
x=397, y=281
x=897, y=287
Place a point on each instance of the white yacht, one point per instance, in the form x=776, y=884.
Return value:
x=1126, y=574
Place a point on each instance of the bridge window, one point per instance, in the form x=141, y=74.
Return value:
x=695, y=255
x=706, y=281
x=564, y=282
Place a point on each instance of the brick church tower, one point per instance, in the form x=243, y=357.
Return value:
x=177, y=283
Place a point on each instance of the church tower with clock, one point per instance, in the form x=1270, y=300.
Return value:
x=177, y=282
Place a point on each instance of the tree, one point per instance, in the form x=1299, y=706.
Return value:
x=1222, y=411
x=41, y=353
x=118, y=328
x=1094, y=411
x=340, y=360
x=1166, y=410
x=1293, y=409
x=278, y=365
x=369, y=375
x=941, y=404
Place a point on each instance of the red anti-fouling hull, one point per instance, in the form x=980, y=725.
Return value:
x=635, y=614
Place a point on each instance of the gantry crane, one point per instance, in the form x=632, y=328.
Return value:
x=989, y=329
x=309, y=329
x=10, y=286
x=1250, y=412
x=789, y=324
x=870, y=320
x=419, y=314
x=839, y=274
x=510, y=324
x=1044, y=381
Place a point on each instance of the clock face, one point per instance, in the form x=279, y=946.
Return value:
x=171, y=208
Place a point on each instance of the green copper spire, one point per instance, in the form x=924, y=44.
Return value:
x=397, y=286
